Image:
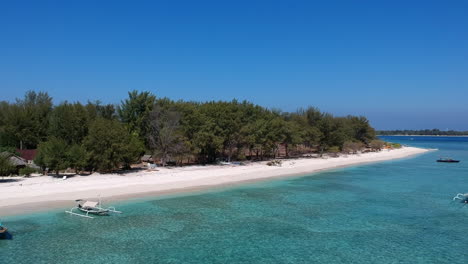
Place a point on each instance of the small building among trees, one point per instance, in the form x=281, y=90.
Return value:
x=11, y=163
x=28, y=154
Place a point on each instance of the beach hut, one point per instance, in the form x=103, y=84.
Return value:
x=147, y=158
x=28, y=154
x=14, y=159
x=18, y=161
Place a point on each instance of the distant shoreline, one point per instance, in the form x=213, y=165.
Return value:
x=36, y=194
x=422, y=135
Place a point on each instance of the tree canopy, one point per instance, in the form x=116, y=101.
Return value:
x=96, y=136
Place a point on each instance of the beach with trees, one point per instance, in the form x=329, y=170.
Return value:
x=105, y=138
x=148, y=146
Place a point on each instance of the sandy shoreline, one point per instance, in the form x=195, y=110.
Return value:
x=35, y=194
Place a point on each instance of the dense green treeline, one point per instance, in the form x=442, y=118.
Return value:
x=424, y=132
x=105, y=137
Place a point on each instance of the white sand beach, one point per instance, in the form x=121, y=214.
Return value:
x=32, y=194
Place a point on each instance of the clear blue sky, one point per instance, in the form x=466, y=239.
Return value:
x=403, y=64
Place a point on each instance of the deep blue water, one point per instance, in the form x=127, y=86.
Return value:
x=391, y=212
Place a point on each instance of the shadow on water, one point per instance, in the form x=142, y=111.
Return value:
x=6, y=236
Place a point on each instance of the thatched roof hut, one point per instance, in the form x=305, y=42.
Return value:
x=14, y=160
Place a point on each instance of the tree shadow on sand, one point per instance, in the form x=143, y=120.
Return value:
x=129, y=171
x=60, y=176
x=5, y=180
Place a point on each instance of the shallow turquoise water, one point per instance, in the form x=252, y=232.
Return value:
x=391, y=212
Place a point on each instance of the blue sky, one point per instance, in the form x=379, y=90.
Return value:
x=403, y=64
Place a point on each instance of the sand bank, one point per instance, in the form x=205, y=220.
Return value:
x=28, y=195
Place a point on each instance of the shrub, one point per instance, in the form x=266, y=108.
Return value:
x=352, y=147
x=377, y=144
x=27, y=171
x=334, y=149
x=275, y=163
x=6, y=168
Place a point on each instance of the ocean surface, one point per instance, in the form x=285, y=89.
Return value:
x=392, y=212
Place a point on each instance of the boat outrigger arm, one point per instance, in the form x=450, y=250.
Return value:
x=461, y=196
x=90, y=207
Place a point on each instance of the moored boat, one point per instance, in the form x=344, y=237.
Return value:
x=91, y=207
x=3, y=231
x=448, y=160
x=463, y=197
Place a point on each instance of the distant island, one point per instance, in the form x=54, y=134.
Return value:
x=423, y=132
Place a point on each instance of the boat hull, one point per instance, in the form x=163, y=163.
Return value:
x=3, y=232
x=449, y=161
x=94, y=212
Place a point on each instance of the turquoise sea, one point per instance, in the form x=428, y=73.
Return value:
x=392, y=212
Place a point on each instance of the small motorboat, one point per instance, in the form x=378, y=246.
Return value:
x=3, y=231
x=463, y=197
x=448, y=160
x=91, y=207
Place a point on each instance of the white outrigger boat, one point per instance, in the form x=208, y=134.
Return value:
x=91, y=207
x=463, y=197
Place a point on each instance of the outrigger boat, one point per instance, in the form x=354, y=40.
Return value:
x=91, y=207
x=463, y=197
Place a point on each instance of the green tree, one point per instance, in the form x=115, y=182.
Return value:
x=165, y=138
x=109, y=145
x=97, y=109
x=293, y=135
x=311, y=136
x=69, y=122
x=208, y=140
x=77, y=157
x=133, y=150
x=25, y=123
x=6, y=168
x=361, y=129
x=134, y=112
x=255, y=137
x=275, y=135
x=6, y=139
x=39, y=160
x=53, y=154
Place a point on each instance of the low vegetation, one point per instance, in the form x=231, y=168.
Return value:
x=393, y=145
x=6, y=168
x=278, y=163
x=27, y=171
